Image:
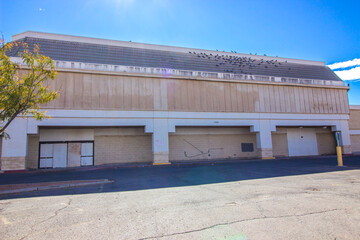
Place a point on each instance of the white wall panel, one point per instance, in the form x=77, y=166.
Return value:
x=46, y=155
x=60, y=155
x=87, y=161
x=46, y=150
x=46, y=162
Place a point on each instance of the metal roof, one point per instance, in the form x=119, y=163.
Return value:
x=194, y=60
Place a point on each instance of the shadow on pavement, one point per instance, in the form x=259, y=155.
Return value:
x=177, y=175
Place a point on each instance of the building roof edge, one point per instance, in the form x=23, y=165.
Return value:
x=111, y=42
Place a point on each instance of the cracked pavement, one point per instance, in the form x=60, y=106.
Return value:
x=310, y=205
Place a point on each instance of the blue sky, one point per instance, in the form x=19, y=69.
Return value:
x=326, y=31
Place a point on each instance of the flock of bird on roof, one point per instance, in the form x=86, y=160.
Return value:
x=235, y=64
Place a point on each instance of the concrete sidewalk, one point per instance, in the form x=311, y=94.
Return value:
x=29, y=187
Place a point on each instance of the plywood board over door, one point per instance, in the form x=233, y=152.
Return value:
x=74, y=154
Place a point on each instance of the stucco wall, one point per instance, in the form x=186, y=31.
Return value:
x=354, y=125
x=280, y=144
x=355, y=143
x=12, y=163
x=326, y=143
x=192, y=143
x=32, y=158
x=122, y=145
x=354, y=121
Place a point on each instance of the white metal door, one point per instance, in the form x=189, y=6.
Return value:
x=46, y=155
x=60, y=155
x=87, y=154
x=302, y=142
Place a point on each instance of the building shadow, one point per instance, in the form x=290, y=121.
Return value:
x=176, y=175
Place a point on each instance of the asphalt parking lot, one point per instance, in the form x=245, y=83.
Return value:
x=272, y=199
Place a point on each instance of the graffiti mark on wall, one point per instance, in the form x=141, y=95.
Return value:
x=200, y=152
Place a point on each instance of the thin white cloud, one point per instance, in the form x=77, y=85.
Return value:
x=351, y=74
x=351, y=63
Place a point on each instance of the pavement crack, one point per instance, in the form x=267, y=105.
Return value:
x=47, y=219
x=57, y=211
x=260, y=209
x=239, y=221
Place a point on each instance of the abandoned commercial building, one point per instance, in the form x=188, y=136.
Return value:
x=126, y=102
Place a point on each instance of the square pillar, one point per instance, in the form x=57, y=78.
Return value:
x=345, y=141
x=263, y=140
x=14, y=149
x=160, y=142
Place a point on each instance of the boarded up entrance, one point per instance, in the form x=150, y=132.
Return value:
x=68, y=154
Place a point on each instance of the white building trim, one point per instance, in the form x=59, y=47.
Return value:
x=354, y=132
x=188, y=74
x=355, y=107
x=98, y=118
x=56, y=113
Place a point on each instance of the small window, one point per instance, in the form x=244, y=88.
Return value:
x=247, y=147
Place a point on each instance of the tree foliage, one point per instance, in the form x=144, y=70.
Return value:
x=23, y=86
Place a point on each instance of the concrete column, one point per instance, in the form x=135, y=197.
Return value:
x=14, y=149
x=160, y=142
x=345, y=141
x=263, y=140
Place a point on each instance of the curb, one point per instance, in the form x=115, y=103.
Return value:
x=172, y=163
x=88, y=168
x=60, y=186
x=14, y=171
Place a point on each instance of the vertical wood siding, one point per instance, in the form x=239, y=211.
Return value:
x=96, y=91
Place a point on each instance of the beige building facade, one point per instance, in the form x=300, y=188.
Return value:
x=124, y=102
x=354, y=125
